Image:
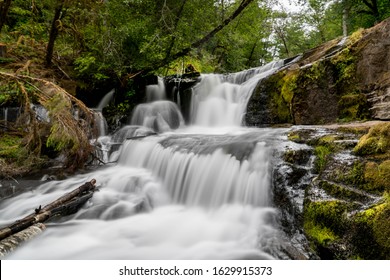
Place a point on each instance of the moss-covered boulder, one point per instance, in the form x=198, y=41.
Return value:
x=370, y=234
x=341, y=80
x=376, y=141
x=324, y=224
x=346, y=211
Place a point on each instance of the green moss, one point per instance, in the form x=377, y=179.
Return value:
x=319, y=234
x=328, y=140
x=353, y=107
x=371, y=231
x=341, y=192
x=280, y=87
x=324, y=221
x=295, y=137
x=345, y=63
x=314, y=73
x=15, y=159
x=376, y=141
x=377, y=176
x=355, y=176
x=289, y=86
x=355, y=36
x=323, y=153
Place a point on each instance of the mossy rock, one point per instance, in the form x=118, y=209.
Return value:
x=342, y=192
x=376, y=141
x=329, y=214
x=325, y=223
x=377, y=176
x=353, y=107
x=371, y=231
x=301, y=136
x=281, y=88
x=299, y=157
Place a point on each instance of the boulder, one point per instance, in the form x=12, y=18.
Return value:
x=344, y=79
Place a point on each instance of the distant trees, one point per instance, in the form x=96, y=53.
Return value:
x=4, y=7
x=114, y=38
x=318, y=21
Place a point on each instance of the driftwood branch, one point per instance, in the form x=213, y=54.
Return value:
x=7, y=245
x=65, y=205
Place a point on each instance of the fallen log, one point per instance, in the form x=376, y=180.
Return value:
x=9, y=244
x=66, y=204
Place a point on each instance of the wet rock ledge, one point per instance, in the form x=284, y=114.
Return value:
x=341, y=195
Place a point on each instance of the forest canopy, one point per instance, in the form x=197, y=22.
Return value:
x=102, y=39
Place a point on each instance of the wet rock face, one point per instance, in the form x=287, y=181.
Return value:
x=374, y=64
x=341, y=79
x=342, y=202
x=373, y=69
x=316, y=102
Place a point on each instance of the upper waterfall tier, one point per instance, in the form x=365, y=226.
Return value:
x=221, y=100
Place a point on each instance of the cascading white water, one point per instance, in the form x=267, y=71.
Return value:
x=210, y=180
x=161, y=116
x=106, y=100
x=157, y=114
x=156, y=92
x=220, y=100
x=185, y=194
x=160, y=203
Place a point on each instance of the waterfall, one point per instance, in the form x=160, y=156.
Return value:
x=181, y=193
x=157, y=113
x=106, y=100
x=160, y=116
x=221, y=100
x=156, y=92
x=100, y=121
x=210, y=180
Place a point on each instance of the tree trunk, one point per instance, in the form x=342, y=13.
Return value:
x=198, y=43
x=249, y=63
x=282, y=37
x=3, y=50
x=53, y=33
x=345, y=26
x=345, y=19
x=172, y=43
x=373, y=9
x=4, y=7
x=10, y=243
x=64, y=205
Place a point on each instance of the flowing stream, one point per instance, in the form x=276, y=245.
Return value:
x=202, y=191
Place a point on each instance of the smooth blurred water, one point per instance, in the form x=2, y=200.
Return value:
x=198, y=192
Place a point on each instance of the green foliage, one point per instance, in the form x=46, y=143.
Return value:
x=88, y=67
x=11, y=148
x=15, y=157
